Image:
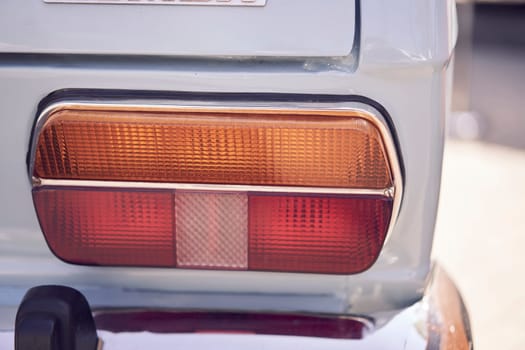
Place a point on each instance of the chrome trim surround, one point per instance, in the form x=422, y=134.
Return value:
x=208, y=187
x=357, y=109
x=256, y=3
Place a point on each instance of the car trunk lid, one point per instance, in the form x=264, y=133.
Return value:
x=286, y=28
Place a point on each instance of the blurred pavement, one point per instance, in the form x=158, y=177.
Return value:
x=480, y=238
x=490, y=74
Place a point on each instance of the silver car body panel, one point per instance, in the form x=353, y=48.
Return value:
x=401, y=63
x=402, y=333
x=438, y=321
x=280, y=28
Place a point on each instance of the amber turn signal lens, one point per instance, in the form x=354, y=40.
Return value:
x=317, y=149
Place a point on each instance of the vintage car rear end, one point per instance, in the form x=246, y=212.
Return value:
x=228, y=174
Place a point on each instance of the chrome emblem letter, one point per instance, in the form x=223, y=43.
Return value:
x=165, y=2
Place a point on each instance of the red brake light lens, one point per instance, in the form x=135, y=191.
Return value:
x=265, y=190
x=108, y=227
x=316, y=234
x=214, y=231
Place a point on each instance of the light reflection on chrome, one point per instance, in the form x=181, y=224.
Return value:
x=164, y=2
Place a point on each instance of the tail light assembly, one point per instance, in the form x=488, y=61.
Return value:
x=273, y=187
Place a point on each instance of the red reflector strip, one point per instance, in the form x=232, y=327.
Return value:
x=214, y=230
x=108, y=227
x=195, y=322
x=312, y=234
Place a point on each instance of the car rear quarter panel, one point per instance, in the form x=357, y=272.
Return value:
x=403, y=52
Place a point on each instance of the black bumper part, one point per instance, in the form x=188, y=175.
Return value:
x=55, y=318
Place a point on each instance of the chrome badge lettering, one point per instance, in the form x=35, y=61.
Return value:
x=165, y=2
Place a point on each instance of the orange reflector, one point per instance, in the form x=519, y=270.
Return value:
x=316, y=148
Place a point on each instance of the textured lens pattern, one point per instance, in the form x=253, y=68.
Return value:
x=213, y=148
x=212, y=230
x=108, y=227
x=221, y=228
x=311, y=234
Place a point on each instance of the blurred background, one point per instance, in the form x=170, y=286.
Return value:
x=480, y=233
